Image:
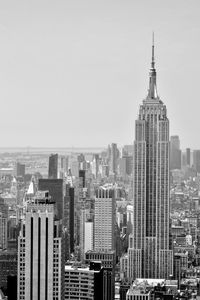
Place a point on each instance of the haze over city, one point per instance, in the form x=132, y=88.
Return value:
x=73, y=73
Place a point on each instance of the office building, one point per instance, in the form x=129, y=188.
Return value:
x=56, y=192
x=8, y=266
x=108, y=262
x=114, y=159
x=40, y=252
x=196, y=160
x=89, y=236
x=86, y=234
x=104, y=219
x=71, y=203
x=3, y=224
x=53, y=166
x=175, y=153
x=20, y=169
x=149, y=249
x=84, y=282
x=82, y=178
x=188, y=157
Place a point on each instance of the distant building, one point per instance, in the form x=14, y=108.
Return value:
x=196, y=160
x=188, y=157
x=114, y=156
x=175, y=153
x=20, y=169
x=3, y=224
x=40, y=252
x=82, y=178
x=53, y=166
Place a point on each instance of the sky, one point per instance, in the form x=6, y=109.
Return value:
x=74, y=72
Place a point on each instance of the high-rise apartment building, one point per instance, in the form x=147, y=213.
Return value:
x=40, y=252
x=150, y=253
x=104, y=220
x=175, y=153
x=53, y=166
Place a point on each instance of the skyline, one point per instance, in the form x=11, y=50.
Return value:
x=74, y=73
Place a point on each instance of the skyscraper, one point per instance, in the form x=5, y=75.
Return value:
x=149, y=253
x=175, y=153
x=104, y=220
x=114, y=156
x=40, y=252
x=20, y=169
x=53, y=166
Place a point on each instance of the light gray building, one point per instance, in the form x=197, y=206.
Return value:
x=150, y=255
x=40, y=252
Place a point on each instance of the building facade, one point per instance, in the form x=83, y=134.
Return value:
x=104, y=220
x=40, y=253
x=84, y=283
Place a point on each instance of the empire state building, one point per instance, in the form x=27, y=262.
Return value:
x=149, y=255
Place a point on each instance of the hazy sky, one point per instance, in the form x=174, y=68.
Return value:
x=74, y=72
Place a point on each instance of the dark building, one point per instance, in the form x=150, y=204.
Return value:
x=108, y=261
x=177, y=268
x=12, y=287
x=98, y=279
x=82, y=178
x=188, y=157
x=68, y=220
x=175, y=153
x=8, y=266
x=53, y=166
x=56, y=191
x=124, y=287
x=20, y=169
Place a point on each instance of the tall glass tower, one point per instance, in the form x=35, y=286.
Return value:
x=149, y=253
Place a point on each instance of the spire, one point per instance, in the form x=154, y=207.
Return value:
x=152, y=59
x=152, y=92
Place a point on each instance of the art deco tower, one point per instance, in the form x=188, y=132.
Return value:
x=149, y=253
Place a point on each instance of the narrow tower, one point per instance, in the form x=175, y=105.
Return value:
x=149, y=253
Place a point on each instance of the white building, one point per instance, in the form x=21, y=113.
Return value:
x=40, y=252
x=151, y=187
x=84, y=282
x=104, y=220
x=89, y=241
